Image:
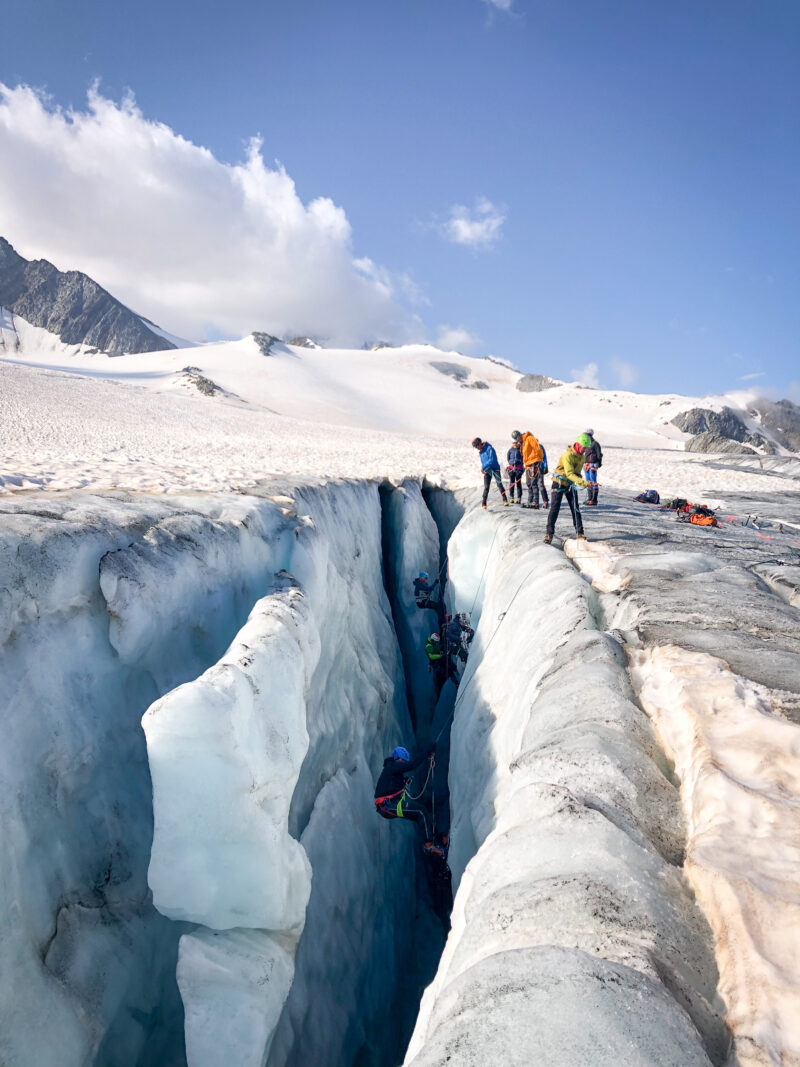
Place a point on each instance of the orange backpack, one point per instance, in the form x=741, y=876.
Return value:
x=703, y=520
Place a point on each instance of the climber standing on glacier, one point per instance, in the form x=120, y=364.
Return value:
x=535, y=462
x=592, y=459
x=566, y=480
x=491, y=469
x=515, y=467
x=392, y=797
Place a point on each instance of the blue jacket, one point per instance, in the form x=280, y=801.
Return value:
x=543, y=463
x=488, y=458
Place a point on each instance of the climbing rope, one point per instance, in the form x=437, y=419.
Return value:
x=413, y=796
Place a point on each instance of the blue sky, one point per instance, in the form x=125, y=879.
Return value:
x=608, y=187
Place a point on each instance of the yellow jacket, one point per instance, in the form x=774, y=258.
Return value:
x=569, y=468
x=531, y=449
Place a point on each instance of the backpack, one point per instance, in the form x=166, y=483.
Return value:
x=701, y=519
x=598, y=457
x=649, y=496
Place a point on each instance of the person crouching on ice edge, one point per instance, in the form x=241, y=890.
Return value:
x=392, y=800
x=491, y=469
x=566, y=480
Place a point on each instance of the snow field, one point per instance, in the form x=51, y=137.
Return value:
x=566, y=832
x=73, y=419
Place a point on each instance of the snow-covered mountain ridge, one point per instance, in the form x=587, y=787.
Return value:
x=73, y=307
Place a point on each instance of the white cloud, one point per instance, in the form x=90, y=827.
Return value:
x=587, y=375
x=500, y=5
x=752, y=377
x=478, y=227
x=626, y=373
x=457, y=339
x=191, y=242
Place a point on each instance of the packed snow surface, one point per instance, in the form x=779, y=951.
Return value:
x=75, y=419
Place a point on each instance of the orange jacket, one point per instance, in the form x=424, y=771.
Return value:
x=531, y=449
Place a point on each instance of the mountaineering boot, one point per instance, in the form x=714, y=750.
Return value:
x=484, y=506
x=433, y=850
x=533, y=507
x=505, y=502
x=548, y=538
x=581, y=537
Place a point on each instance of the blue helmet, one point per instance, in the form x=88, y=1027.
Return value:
x=423, y=574
x=401, y=753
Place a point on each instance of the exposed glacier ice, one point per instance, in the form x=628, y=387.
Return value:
x=282, y=739
x=739, y=765
x=565, y=834
x=86, y=963
x=225, y=753
x=414, y=547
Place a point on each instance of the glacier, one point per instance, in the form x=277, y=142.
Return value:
x=215, y=887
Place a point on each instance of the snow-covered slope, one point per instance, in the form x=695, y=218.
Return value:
x=74, y=419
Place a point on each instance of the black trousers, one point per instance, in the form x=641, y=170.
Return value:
x=487, y=481
x=571, y=493
x=515, y=479
x=413, y=810
x=534, y=478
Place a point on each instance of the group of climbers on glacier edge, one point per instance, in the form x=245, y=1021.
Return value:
x=577, y=468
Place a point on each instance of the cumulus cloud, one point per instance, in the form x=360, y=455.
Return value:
x=197, y=245
x=477, y=227
x=457, y=339
x=626, y=373
x=588, y=375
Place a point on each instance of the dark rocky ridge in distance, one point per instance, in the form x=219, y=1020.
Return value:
x=72, y=306
x=722, y=425
x=782, y=419
x=713, y=442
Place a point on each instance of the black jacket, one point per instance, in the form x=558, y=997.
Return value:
x=594, y=454
x=395, y=771
x=421, y=588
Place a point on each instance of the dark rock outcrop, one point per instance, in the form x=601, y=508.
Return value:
x=72, y=306
x=782, y=419
x=725, y=424
x=714, y=442
x=536, y=383
x=303, y=342
x=265, y=341
x=451, y=370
